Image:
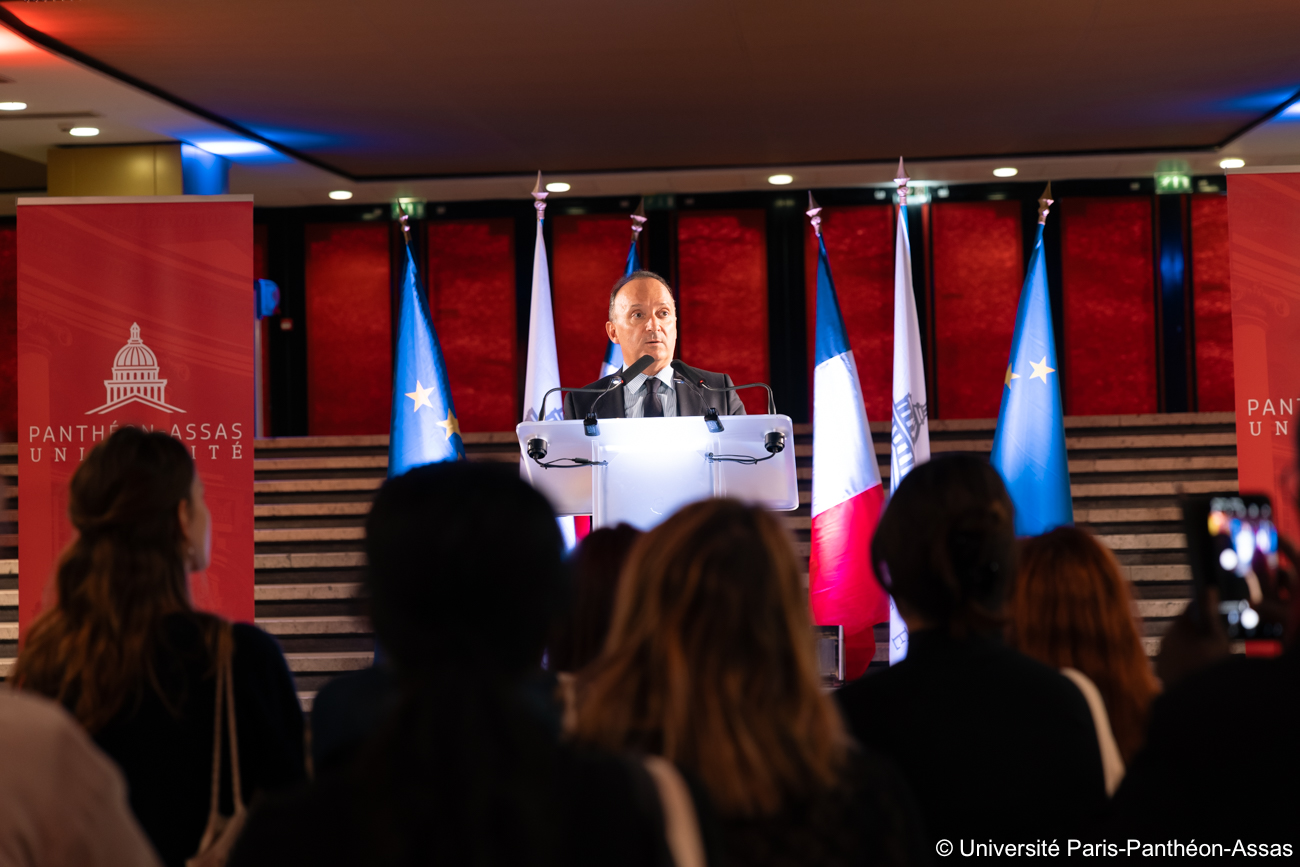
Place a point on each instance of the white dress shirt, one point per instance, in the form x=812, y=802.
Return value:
x=635, y=394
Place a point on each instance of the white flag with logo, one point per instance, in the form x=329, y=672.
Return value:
x=910, y=429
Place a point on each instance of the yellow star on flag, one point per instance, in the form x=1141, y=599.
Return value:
x=1041, y=370
x=420, y=396
x=1010, y=376
x=451, y=425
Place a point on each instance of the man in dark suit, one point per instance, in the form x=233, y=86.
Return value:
x=643, y=321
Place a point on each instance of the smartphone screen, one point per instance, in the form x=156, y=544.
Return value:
x=1237, y=550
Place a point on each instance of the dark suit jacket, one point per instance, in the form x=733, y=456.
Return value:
x=689, y=399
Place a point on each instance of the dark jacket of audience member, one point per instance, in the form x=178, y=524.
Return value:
x=465, y=576
x=994, y=744
x=126, y=653
x=594, y=567
x=1071, y=608
x=1222, y=759
x=710, y=663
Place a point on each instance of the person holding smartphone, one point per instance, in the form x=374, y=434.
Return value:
x=1222, y=758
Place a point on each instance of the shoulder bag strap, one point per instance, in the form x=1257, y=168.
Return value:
x=681, y=824
x=236, y=788
x=1112, y=764
x=223, y=666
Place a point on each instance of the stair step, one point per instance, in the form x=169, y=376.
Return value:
x=293, y=626
x=330, y=560
x=1127, y=516
x=1166, y=573
x=1152, y=489
x=306, y=592
x=1144, y=541
x=311, y=534
x=310, y=510
x=316, y=486
x=329, y=662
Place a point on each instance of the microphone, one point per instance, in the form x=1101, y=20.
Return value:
x=771, y=401
x=613, y=383
x=711, y=419
x=589, y=423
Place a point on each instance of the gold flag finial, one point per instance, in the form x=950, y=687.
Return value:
x=1045, y=204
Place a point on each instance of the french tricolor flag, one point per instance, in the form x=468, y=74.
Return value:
x=847, y=495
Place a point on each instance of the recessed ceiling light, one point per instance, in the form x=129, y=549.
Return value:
x=1231, y=163
x=233, y=147
x=83, y=131
x=780, y=180
x=340, y=195
x=12, y=106
x=557, y=187
x=1006, y=172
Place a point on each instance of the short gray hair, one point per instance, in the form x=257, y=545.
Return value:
x=628, y=278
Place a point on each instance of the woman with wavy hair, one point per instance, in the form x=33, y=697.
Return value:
x=1071, y=608
x=710, y=664
x=124, y=650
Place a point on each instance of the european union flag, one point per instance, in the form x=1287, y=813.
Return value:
x=424, y=428
x=1029, y=446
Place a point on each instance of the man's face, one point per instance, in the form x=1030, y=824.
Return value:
x=644, y=323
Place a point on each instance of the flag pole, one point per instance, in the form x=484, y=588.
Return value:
x=1045, y=204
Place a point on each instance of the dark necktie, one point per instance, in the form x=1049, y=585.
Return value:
x=654, y=406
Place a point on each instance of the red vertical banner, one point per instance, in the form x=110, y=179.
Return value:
x=349, y=332
x=136, y=311
x=1264, y=242
x=722, y=299
x=978, y=273
x=860, y=243
x=1108, y=283
x=588, y=255
x=472, y=301
x=1212, y=302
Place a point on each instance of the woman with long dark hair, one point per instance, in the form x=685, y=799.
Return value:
x=126, y=652
x=1071, y=608
x=710, y=664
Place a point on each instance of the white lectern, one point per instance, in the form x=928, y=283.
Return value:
x=641, y=470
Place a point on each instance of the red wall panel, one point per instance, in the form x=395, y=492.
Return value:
x=722, y=299
x=349, y=339
x=8, y=332
x=588, y=254
x=1213, y=303
x=1109, y=290
x=860, y=244
x=472, y=301
x=978, y=272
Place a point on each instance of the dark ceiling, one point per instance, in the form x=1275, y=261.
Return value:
x=407, y=89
